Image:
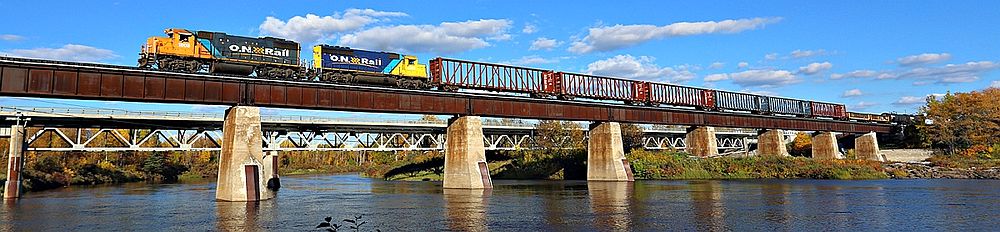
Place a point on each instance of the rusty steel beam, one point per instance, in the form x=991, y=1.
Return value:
x=32, y=78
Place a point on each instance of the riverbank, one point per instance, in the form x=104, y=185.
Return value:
x=670, y=165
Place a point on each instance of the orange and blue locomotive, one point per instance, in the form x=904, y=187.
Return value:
x=216, y=52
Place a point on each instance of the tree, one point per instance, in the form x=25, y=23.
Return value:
x=631, y=136
x=552, y=134
x=159, y=168
x=801, y=146
x=431, y=119
x=959, y=121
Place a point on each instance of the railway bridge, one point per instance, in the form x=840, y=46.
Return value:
x=245, y=169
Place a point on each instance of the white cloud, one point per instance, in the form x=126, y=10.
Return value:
x=758, y=92
x=771, y=56
x=910, y=100
x=716, y=77
x=208, y=108
x=528, y=60
x=926, y=58
x=798, y=53
x=855, y=74
x=995, y=84
x=852, y=93
x=312, y=28
x=763, y=78
x=448, y=37
x=951, y=73
x=947, y=74
x=69, y=52
x=716, y=65
x=544, y=43
x=529, y=28
x=742, y=65
x=862, y=105
x=642, y=68
x=9, y=37
x=815, y=68
x=609, y=38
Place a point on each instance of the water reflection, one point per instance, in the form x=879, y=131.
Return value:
x=776, y=203
x=751, y=205
x=465, y=209
x=610, y=202
x=242, y=216
x=706, y=202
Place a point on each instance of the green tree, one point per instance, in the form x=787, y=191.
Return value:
x=157, y=167
x=552, y=134
x=631, y=136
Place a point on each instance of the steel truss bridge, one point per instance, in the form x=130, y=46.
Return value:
x=97, y=130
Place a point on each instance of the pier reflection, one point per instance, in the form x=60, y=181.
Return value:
x=465, y=209
x=707, y=204
x=610, y=203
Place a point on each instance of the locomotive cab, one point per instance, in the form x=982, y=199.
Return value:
x=410, y=66
x=178, y=43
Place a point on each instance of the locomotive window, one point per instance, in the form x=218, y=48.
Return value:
x=185, y=38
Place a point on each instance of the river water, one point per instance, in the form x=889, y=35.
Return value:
x=303, y=202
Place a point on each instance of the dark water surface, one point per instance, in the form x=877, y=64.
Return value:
x=781, y=205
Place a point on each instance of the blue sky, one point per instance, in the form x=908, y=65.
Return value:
x=873, y=56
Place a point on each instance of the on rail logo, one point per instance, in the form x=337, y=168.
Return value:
x=355, y=60
x=259, y=50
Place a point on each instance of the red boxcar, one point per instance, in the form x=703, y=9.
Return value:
x=823, y=109
x=451, y=73
x=660, y=93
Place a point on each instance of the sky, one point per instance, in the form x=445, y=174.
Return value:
x=873, y=56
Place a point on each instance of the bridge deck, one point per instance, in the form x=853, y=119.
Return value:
x=47, y=79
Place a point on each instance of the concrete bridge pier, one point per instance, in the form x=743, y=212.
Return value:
x=465, y=155
x=824, y=146
x=15, y=160
x=771, y=143
x=866, y=147
x=241, y=163
x=700, y=141
x=606, y=154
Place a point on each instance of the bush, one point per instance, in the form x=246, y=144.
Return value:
x=677, y=165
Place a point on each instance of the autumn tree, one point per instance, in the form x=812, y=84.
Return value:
x=801, y=146
x=959, y=121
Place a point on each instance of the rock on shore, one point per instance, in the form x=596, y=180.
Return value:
x=925, y=171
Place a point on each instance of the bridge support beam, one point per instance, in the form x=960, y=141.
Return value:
x=771, y=143
x=465, y=155
x=15, y=160
x=606, y=154
x=824, y=146
x=700, y=141
x=241, y=169
x=866, y=147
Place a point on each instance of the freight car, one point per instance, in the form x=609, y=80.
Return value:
x=345, y=65
x=451, y=74
x=868, y=117
x=216, y=52
x=267, y=57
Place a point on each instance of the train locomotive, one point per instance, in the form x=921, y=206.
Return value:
x=186, y=51
x=267, y=57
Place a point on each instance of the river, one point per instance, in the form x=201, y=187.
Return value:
x=303, y=202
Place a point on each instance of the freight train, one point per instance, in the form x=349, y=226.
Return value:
x=267, y=57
